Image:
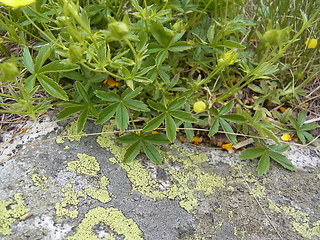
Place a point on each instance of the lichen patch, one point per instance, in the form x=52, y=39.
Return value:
x=10, y=210
x=86, y=164
x=113, y=218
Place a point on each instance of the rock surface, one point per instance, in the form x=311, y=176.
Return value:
x=78, y=188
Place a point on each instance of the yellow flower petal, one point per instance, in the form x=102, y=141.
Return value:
x=286, y=137
x=16, y=3
x=199, y=106
x=311, y=43
x=227, y=146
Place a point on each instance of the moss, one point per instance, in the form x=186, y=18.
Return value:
x=10, y=210
x=101, y=193
x=66, y=147
x=39, y=181
x=69, y=205
x=113, y=218
x=300, y=220
x=86, y=165
x=190, y=171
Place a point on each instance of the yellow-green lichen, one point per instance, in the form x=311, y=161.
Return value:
x=100, y=193
x=10, y=210
x=113, y=218
x=68, y=207
x=240, y=234
x=67, y=147
x=190, y=171
x=39, y=181
x=247, y=178
x=71, y=133
x=85, y=165
x=300, y=220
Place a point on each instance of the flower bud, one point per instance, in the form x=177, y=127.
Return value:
x=118, y=30
x=229, y=58
x=199, y=106
x=178, y=26
x=9, y=72
x=75, y=54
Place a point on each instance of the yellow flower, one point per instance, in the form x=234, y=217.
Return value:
x=311, y=43
x=227, y=146
x=199, y=106
x=16, y=3
x=286, y=137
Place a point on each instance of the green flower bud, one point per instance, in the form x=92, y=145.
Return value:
x=75, y=54
x=276, y=37
x=9, y=72
x=118, y=30
x=273, y=37
x=229, y=58
x=178, y=26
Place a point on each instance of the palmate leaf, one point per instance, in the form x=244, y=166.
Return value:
x=132, y=152
x=154, y=123
x=252, y=153
x=227, y=128
x=82, y=120
x=107, y=113
x=82, y=91
x=136, y=105
x=157, y=139
x=151, y=152
x=122, y=117
x=184, y=116
x=282, y=160
x=57, y=66
x=214, y=127
x=156, y=106
x=52, y=87
x=130, y=138
x=107, y=96
x=177, y=103
x=170, y=127
x=263, y=165
x=69, y=111
x=234, y=118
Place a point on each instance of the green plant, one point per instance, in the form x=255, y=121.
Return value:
x=301, y=128
x=145, y=142
x=266, y=152
x=162, y=57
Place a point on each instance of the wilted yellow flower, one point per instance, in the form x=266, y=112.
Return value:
x=282, y=109
x=196, y=140
x=16, y=3
x=111, y=83
x=286, y=137
x=199, y=106
x=311, y=43
x=182, y=138
x=227, y=146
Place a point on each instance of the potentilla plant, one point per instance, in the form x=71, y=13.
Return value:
x=171, y=65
